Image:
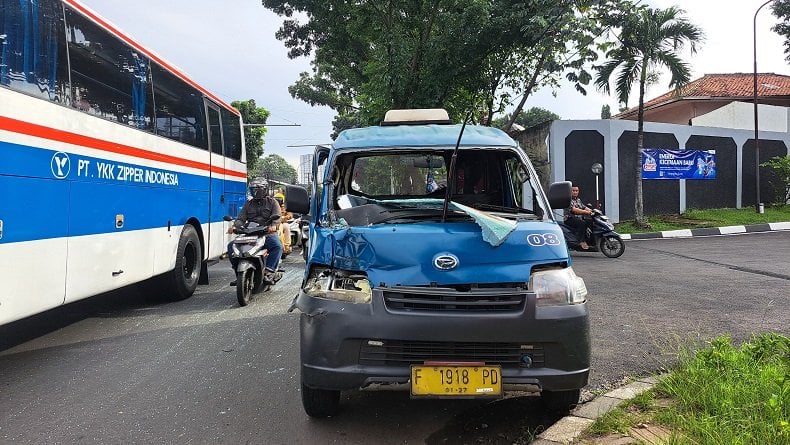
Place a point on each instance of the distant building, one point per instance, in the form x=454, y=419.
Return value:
x=713, y=113
x=724, y=101
x=305, y=169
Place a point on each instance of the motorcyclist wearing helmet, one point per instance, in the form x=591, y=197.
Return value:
x=264, y=210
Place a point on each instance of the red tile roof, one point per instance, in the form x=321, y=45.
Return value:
x=730, y=86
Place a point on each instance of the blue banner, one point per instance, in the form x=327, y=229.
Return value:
x=658, y=163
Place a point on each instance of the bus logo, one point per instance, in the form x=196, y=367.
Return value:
x=60, y=165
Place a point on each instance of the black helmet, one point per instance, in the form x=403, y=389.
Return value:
x=259, y=189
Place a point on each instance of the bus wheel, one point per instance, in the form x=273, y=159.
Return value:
x=183, y=279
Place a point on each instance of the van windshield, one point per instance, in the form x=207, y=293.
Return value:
x=401, y=186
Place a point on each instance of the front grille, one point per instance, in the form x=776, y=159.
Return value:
x=478, y=300
x=400, y=353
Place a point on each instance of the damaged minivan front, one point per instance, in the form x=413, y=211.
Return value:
x=435, y=265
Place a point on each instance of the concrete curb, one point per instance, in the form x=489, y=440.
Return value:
x=709, y=231
x=567, y=429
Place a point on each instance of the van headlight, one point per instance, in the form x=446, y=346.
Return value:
x=335, y=284
x=556, y=287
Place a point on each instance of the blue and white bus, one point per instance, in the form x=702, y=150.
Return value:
x=115, y=167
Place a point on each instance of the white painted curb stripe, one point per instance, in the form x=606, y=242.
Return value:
x=625, y=236
x=676, y=233
x=732, y=229
x=780, y=226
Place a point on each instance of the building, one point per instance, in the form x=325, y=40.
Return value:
x=710, y=113
x=722, y=100
x=305, y=169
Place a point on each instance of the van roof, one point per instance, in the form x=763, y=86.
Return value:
x=422, y=136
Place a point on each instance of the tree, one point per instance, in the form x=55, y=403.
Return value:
x=369, y=57
x=254, y=118
x=606, y=112
x=649, y=40
x=781, y=9
x=780, y=179
x=526, y=119
x=277, y=168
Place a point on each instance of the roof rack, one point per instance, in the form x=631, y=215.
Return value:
x=416, y=117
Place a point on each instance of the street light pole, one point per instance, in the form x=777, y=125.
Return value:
x=758, y=208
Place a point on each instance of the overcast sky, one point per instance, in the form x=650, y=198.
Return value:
x=229, y=47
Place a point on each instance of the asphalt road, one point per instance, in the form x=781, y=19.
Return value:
x=126, y=368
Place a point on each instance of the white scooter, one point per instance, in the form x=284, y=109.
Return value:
x=249, y=256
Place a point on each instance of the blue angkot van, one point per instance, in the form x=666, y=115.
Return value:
x=435, y=265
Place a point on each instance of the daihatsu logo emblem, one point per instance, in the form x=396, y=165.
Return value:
x=445, y=262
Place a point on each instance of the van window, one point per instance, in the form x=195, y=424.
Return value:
x=399, y=174
x=490, y=180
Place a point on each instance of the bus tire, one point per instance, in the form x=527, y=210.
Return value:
x=182, y=281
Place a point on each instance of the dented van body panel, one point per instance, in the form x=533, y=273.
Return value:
x=424, y=252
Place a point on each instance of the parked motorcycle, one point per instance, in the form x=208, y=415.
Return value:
x=600, y=236
x=296, y=231
x=248, y=253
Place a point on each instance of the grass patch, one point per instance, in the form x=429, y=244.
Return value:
x=719, y=395
x=693, y=219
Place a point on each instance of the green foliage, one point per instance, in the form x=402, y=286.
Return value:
x=369, y=57
x=614, y=420
x=725, y=394
x=694, y=219
x=649, y=39
x=606, y=112
x=780, y=180
x=526, y=119
x=253, y=135
x=719, y=394
x=277, y=168
x=781, y=9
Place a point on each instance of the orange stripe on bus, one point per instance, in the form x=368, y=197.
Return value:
x=17, y=126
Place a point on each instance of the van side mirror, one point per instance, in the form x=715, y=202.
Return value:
x=296, y=199
x=560, y=195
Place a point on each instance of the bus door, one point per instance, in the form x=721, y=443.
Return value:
x=215, y=239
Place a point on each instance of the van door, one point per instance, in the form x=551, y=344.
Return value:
x=215, y=236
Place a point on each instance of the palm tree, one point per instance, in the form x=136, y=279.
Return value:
x=649, y=40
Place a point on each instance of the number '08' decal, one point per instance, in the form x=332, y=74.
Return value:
x=543, y=239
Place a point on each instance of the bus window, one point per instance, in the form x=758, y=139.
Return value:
x=232, y=132
x=33, y=57
x=215, y=130
x=179, y=109
x=109, y=79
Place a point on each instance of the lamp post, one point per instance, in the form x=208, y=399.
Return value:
x=757, y=204
x=597, y=169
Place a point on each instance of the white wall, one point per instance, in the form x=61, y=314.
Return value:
x=740, y=115
x=611, y=130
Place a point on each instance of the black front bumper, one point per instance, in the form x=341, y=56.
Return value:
x=350, y=346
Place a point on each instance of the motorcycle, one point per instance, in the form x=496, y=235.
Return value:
x=250, y=256
x=294, y=226
x=600, y=236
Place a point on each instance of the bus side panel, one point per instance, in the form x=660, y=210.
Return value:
x=219, y=238
x=105, y=256
x=32, y=245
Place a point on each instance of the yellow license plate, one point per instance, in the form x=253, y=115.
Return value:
x=456, y=380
